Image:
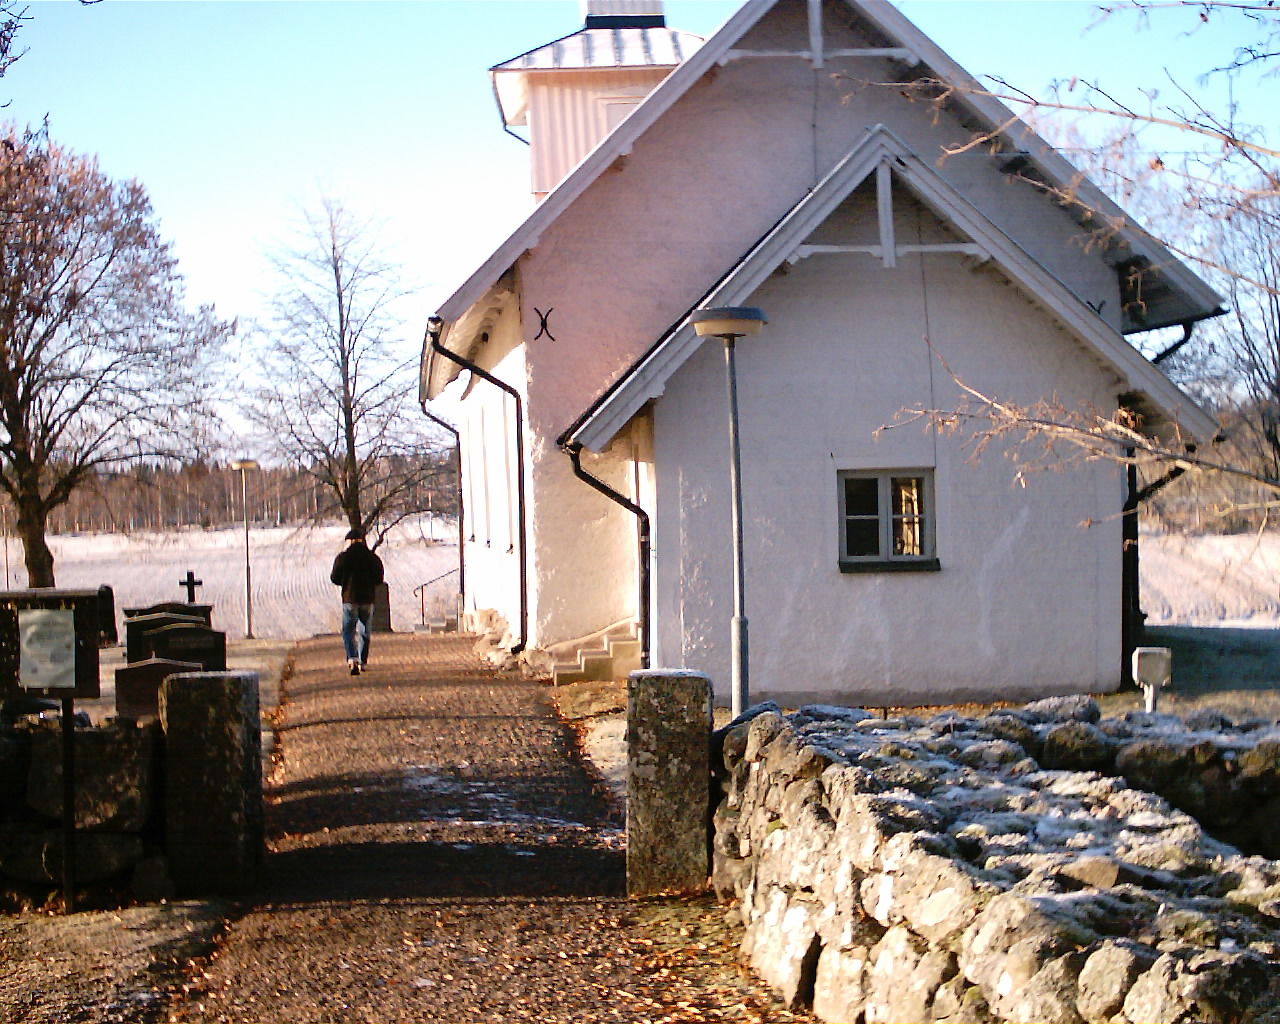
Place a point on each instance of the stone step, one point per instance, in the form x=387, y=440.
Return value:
x=626, y=657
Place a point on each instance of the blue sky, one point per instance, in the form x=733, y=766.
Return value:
x=236, y=115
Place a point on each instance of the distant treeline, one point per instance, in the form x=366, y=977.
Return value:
x=208, y=495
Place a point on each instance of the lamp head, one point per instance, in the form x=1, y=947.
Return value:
x=727, y=321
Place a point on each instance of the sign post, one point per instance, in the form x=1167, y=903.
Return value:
x=49, y=648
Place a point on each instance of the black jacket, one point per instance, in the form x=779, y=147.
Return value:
x=358, y=571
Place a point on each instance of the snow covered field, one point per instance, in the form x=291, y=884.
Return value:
x=292, y=595
x=1211, y=580
x=1192, y=581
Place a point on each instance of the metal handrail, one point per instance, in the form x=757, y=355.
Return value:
x=420, y=592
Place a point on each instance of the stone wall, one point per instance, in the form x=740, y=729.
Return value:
x=1001, y=869
x=133, y=781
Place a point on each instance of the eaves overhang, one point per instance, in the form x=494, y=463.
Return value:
x=647, y=378
x=464, y=336
x=1176, y=294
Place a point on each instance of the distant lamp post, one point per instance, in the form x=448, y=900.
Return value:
x=729, y=323
x=244, y=465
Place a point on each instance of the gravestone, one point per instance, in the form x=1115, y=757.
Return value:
x=136, y=647
x=201, y=611
x=138, y=685
x=214, y=831
x=381, y=621
x=107, y=635
x=186, y=642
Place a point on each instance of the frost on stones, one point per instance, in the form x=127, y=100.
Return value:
x=1005, y=868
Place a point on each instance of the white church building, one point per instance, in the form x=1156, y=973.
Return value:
x=770, y=166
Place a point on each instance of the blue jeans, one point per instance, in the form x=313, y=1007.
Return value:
x=353, y=614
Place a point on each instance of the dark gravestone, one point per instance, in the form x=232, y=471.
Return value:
x=138, y=685
x=182, y=642
x=381, y=621
x=213, y=781
x=200, y=611
x=107, y=635
x=136, y=646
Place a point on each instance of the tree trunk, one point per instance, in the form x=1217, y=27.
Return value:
x=36, y=553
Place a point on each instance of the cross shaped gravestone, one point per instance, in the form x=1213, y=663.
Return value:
x=191, y=583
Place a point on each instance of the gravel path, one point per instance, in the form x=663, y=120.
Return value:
x=439, y=853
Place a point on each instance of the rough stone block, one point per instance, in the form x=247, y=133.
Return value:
x=840, y=983
x=1050, y=994
x=905, y=974
x=213, y=781
x=784, y=947
x=35, y=854
x=1107, y=976
x=15, y=763
x=1206, y=987
x=668, y=781
x=1077, y=747
x=114, y=776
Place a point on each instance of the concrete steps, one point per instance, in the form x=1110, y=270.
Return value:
x=603, y=658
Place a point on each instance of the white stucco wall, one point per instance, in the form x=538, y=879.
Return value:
x=1027, y=601
x=489, y=474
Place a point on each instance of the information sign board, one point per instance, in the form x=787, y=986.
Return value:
x=49, y=643
x=47, y=648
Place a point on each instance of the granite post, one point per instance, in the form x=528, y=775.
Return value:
x=668, y=781
x=213, y=781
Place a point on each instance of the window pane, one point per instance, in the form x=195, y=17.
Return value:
x=907, y=496
x=861, y=496
x=862, y=537
x=908, y=537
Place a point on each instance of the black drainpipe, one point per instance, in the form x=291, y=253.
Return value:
x=462, y=562
x=434, y=325
x=574, y=451
x=1132, y=619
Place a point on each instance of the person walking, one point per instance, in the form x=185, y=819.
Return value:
x=358, y=571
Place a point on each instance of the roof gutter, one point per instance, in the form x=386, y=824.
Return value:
x=434, y=326
x=574, y=451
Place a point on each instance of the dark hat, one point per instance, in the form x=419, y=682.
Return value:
x=355, y=535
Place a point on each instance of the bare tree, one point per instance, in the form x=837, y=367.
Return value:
x=100, y=361
x=1207, y=186
x=333, y=398
x=12, y=15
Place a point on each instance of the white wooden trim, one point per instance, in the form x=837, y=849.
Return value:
x=648, y=378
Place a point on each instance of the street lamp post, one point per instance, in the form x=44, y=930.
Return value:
x=244, y=465
x=729, y=323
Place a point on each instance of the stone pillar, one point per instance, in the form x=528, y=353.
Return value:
x=213, y=781
x=668, y=781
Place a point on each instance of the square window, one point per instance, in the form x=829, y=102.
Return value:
x=886, y=520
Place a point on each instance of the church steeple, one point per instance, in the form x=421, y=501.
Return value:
x=570, y=93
